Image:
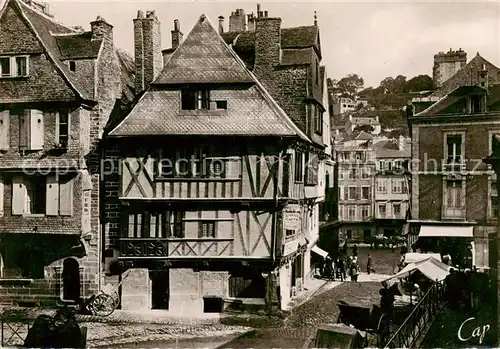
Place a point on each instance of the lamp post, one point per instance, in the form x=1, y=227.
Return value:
x=494, y=161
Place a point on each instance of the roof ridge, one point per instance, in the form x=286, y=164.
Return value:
x=58, y=64
x=44, y=15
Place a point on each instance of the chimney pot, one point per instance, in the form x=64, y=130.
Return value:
x=176, y=25
x=140, y=14
x=265, y=13
x=221, y=24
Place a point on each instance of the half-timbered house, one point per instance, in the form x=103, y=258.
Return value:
x=58, y=87
x=216, y=182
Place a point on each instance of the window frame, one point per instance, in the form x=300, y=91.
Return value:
x=38, y=185
x=394, y=205
x=211, y=229
x=395, y=181
x=298, y=167
x=446, y=135
x=379, y=186
x=351, y=208
x=384, y=210
x=368, y=189
x=58, y=142
x=349, y=192
x=13, y=67
x=199, y=99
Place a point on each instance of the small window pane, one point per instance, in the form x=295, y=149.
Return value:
x=21, y=66
x=5, y=66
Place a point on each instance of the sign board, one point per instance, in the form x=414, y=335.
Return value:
x=291, y=218
x=290, y=247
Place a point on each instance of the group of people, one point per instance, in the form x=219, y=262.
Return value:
x=344, y=265
x=465, y=288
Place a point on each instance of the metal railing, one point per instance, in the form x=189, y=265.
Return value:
x=425, y=311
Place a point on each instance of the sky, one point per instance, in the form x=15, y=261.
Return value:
x=374, y=39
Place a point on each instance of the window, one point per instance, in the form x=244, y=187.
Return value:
x=46, y=195
x=353, y=173
x=476, y=104
x=454, y=194
x=382, y=210
x=207, y=229
x=35, y=195
x=351, y=212
x=247, y=283
x=317, y=72
x=341, y=174
x=299, y=167
x=454, y=148
x=359, y=156
x=346, y=193
x=221, y=104
x=312, y=168
x=396, y=208
x=365, y=209
x=353, y=191
x=318, y=120
x=494, y=206
x=397, y=186
x=14, y=66
x=381, y=186
x=365, y=193
x=178, y=224
x=381, y=165
x=195, y=99
x=289, y=234
x=349, y=233
x=365, y=173
x=72, y=65
x=62, y=131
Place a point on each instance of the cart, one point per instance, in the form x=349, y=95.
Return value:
x=104, y=302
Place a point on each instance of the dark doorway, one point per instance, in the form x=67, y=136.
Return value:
x=160, y=285
x=71, y=280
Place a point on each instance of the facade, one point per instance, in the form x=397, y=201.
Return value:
x=392, y=184
x=452, y=192
x=238, y=224
x=447, y=64
x=342, y=105
x=356, y=169
x=58, y=88
x=354, y=121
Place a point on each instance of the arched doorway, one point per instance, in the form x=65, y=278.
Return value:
x=71, y=280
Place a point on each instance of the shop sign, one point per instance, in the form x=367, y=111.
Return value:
x=291, y=217
x=290, y=247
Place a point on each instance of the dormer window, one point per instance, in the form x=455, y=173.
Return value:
x=195, y=99
x=13, y=66
x=477, y=104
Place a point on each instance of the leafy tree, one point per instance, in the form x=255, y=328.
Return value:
x=366, y=128
x=419, y=83
x=393, y=85
x=347, y=86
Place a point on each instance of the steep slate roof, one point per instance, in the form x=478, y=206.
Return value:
x=78, y=46
x=44, y=26
x=468, y=76
x=389, y=149
x=293, y=40
x=451, y=98
x=203, y=58
x=127, y=76
x=251, y=109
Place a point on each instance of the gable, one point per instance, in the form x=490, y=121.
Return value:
x=15, y=35
x=203, y=57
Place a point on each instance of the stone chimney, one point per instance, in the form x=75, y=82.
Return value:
x=221, y=24
x=101, y=30
x=237, y=21
x=267, y=41
x=447, y=64
x=147, y=45
x=251, y=22
x=176, y=34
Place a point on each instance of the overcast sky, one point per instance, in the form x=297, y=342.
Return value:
x=373, y=39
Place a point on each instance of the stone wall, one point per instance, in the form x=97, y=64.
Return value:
x=136, y=290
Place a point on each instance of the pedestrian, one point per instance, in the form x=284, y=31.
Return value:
x=340, y=269
x=355, y=250
x=354, y=269
x=344, y=248
x=369, y=267
x=418, y=293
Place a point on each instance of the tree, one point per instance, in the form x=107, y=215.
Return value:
x=419, y=83
x=365, y=128
x=393, y=85
x=347, y=86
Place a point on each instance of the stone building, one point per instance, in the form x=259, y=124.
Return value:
x=356, y=170
x=447, y=64
x=241, y=229
x=391, y=185
x=453, y=196
x=58, y=88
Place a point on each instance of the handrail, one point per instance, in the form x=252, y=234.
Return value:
x=406, y=335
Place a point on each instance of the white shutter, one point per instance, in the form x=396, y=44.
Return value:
x=36, y=130
x=18, y=195
x=66, y=196
x=4, y=129
x=52, y=196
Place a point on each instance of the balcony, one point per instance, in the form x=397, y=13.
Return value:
x=453, y=213
x=165, y=248
x=453, y=167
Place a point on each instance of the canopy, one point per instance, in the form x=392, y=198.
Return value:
x=412, y=257
x=446, y=231
x=319, y=251
x=431, y=268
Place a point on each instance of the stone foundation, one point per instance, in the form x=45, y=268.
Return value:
x=136, y=290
